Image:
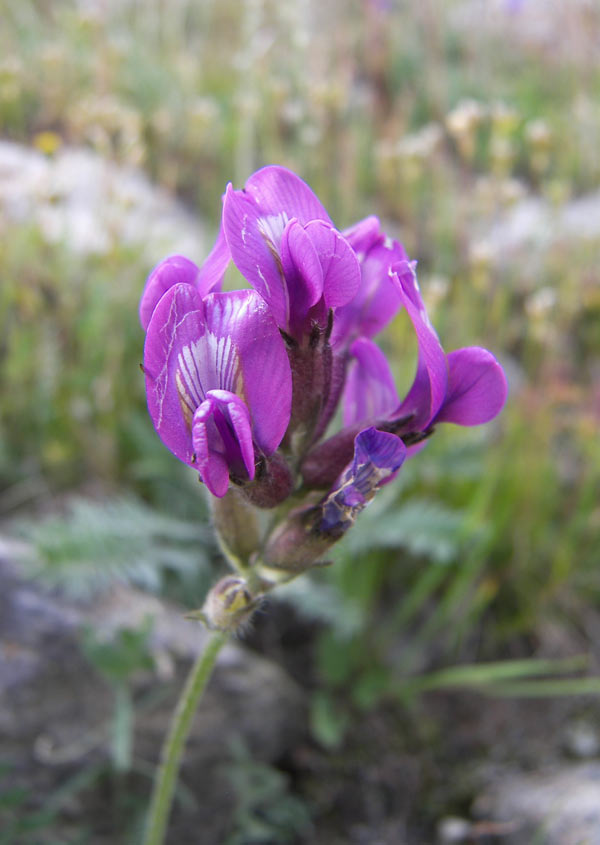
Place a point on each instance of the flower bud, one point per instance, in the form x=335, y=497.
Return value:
x=228, y=605
x=307, y=533
x=295, y=545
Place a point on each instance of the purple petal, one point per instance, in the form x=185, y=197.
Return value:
x=303, y=274
x=341, y=271
x=254, y=220
x=364, y=235
x=477, y=387
x=173, y=386
x=254, y=238
x=213, y=269
x=228, y=341
x=378, y=456
x=242, y=330
x=369, y=391
x=428, y=390
x=377, y=300
x=172, y=271
x=276, y=189
x=222, y=440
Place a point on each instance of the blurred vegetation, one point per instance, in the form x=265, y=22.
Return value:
x=444, y=126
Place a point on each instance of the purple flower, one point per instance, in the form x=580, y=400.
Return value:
x=180, y=270
x=378, y=457
x=308, y=532
x=218, y=382
x=284, y=243
x=467, y=386
x=377, y=300
x=242, y=385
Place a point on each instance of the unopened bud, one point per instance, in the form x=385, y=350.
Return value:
x=296, y=544
x=228, y=605
x=325, y=462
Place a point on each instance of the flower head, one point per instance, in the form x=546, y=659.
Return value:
x=243, y=385
x=218, y=382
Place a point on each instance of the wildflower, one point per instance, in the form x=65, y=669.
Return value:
x=242, y=385
x=218, y=383
x=467, y=387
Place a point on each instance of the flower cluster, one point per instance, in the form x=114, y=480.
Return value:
x=243, y=385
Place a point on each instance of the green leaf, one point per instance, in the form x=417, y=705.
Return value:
x=121, y=540
x=328, y=724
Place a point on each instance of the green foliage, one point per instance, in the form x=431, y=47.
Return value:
x=328, y=721
x=264, y=811
x=118, y=659
x=98, y=543
x=22, y=820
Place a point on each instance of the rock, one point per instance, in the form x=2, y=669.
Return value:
x=92, y=204
x=581, y=739
x=556, y=806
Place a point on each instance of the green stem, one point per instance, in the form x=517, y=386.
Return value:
x=122, y=728
x=170, y=758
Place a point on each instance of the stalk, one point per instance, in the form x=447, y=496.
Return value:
x=181, y=723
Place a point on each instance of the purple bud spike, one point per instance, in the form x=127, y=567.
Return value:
x=308, y=533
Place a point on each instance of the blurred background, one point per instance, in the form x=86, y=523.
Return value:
x=440, y=682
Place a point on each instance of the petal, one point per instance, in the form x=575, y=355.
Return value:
x=428, y=390
x=364, y=235
x=228, y=341
x=369, y=391
x=210, y=276
x=174, y=386
x=176, y=269
x=378, y=456
x=276, y=189
x=254, y=238
x=172, y=271
x=377, y=300
x=222, y=440
x=381, y=300
x=341, y=271
x=302, y=271
x=251, y=360
x=477, y=387
x=211, y=464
